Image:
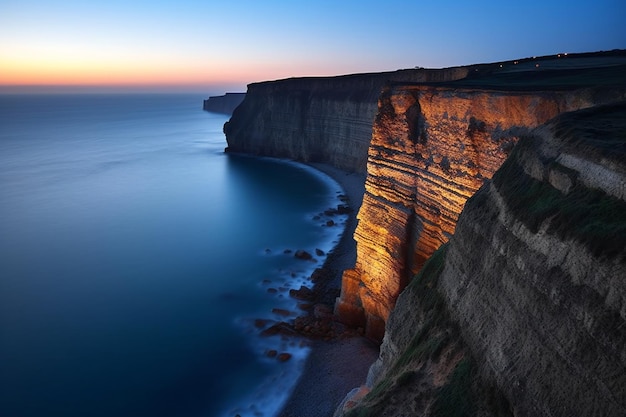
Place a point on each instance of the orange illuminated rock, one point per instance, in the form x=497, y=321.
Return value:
x=318, y=119
x=432, y=147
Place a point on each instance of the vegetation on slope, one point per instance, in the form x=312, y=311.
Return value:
x=598, y=132
x=589, y=216
x=436, y=347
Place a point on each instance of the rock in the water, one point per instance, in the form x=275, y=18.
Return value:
x=304, y=255
x=282, y=312
x=303, y=293
x=343, y=209
x=281, y=328
x=260, y=323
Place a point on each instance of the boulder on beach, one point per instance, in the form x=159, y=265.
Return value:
x=322, y=311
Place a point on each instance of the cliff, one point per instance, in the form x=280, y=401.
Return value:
x=225, y=104
x=523, y=312
x=432, y=147
x=318, y=119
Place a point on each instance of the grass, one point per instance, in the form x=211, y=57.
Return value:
x=455, y=399
x=422, y=346
x=463, y=392
x=598, y=132
x=589, y=216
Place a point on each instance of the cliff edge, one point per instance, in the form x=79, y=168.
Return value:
x=317, y=119
x=433, y=145
x=224, y=104
x=523, y=312
x=490, y=241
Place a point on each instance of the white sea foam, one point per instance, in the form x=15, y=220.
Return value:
x=270, y=396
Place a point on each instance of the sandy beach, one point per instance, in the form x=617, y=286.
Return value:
x=334, y=367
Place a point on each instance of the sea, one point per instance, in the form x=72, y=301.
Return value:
x=139, y=262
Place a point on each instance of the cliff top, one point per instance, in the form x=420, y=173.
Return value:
x=554, y=72
x=598, y=130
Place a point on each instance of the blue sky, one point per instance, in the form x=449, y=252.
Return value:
x=200, y=45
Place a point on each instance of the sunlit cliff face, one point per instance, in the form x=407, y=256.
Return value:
x=431, y=149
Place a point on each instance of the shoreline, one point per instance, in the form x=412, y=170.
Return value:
x=335, y=366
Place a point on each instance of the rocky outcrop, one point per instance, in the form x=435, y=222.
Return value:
x=325, y=119
x=433, y=147
x=225, y=104
x=523, y=312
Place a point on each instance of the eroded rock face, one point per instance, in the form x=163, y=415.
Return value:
x=554, y=337
x=325, y=119
x=527, y=301
x=431, y=149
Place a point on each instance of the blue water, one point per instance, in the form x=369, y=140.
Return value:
x=135, y=256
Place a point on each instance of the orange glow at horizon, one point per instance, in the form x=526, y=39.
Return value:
x=90, y=71
x=106, y=73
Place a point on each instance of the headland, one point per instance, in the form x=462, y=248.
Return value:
x=487, y=295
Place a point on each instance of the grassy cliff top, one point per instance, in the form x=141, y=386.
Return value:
x=554, y=72
x=599, y=130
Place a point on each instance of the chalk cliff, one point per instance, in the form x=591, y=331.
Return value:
x=523, y=312
x=321, y=119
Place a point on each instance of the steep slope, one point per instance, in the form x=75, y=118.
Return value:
x=324, y=119
x=432, y=147
x=523, y=312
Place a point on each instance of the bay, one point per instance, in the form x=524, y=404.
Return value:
x=135, y=256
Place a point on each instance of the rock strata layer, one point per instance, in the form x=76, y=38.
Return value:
x=432, y=147
x=325, y=119
x=523, y=312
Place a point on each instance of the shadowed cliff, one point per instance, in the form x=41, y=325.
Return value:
x=324, y=119
x=523, y=312
x=433, y=145
x=224, y=104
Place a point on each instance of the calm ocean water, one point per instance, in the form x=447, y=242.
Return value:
x=135, y=256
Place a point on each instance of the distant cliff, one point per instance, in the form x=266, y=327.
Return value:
x=523, y=312
x=323, y=119
x=225, y=104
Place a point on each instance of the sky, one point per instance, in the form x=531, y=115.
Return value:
x=216, y=46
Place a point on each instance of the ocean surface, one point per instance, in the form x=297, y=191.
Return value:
x=135, y=257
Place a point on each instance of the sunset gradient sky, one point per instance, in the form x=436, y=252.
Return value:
x=216, y=46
